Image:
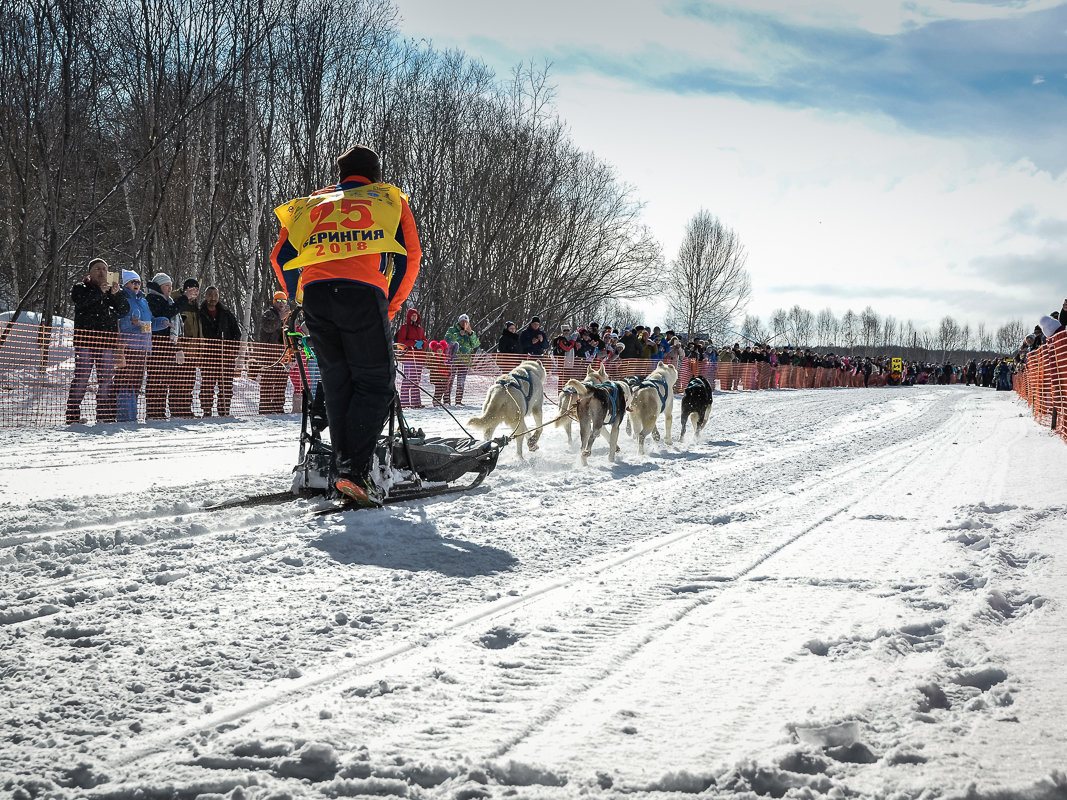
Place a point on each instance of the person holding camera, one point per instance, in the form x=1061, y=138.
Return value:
x=162, y=363
x=97, y=309
x=533, y=340
x=462, y=343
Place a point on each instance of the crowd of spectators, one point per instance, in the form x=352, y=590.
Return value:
x=179, y=349
x=752, y=366
x=1046, y=327
x=182, y=350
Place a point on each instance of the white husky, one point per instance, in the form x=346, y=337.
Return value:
x=653, y=396
x=595, y=373
x=601, y=410
x=510, y=399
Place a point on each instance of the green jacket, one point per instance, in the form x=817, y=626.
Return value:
x=466, y=343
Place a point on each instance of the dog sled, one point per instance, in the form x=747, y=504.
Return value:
x=408, y=464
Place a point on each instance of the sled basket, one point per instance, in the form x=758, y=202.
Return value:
x=438, y=459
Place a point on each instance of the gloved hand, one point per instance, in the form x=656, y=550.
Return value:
x=289, y=326
x=418, y=344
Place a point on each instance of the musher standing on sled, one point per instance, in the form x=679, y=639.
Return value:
x=350, y=254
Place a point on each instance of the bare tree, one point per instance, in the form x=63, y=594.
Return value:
x=51, y=80
x=779, y=325
x=801, y=323
x=708, y=284
x=910, y=337
x=890, y=329
x=983, y=338
x=948, y=335
x=1010, y=336
x=849, y=330
x=616, y=313
x=754, y=330
x=826, y=328
x=869, y=325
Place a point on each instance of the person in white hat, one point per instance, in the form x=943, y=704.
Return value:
x=136, y=328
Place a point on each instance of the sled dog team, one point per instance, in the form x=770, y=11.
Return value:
x=601, y=406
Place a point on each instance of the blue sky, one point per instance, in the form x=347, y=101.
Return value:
x=907, y=155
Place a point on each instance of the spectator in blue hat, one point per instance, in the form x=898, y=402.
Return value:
x=136, y=327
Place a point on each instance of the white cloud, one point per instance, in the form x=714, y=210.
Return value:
x=823, y=198
x=626, y=25
x=820, y=199
x=598, y=27
x=1038, y=79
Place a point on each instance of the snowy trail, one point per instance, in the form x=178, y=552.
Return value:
x=770, y=606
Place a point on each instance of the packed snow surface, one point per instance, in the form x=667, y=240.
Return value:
x=832, y=593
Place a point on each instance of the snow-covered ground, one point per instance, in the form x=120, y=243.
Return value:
x=839, y=593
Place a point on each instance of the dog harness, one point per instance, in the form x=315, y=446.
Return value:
x=612, y=391
x=655, y=383
x=697, y=381
x=513, y=380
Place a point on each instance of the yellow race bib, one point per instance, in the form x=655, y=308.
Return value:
x=342, y=224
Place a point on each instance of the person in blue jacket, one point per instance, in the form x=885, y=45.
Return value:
x=136, y=328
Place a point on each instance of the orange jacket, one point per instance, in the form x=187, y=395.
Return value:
x=372, y=269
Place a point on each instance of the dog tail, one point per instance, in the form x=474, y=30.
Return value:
x=480, y=420
x=582, y=390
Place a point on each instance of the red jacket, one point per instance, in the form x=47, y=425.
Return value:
x=411, y=331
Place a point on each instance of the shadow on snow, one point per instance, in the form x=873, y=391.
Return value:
x=411, y=546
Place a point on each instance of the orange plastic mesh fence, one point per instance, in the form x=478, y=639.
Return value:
x=50, y=376
x=1043, y=383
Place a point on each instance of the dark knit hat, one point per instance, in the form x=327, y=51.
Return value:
x=359, y=160
x=191, y=283
x=535, y=319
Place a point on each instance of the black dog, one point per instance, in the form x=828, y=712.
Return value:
x=697, y=403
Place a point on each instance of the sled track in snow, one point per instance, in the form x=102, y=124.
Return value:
x=580, y=644
x=107, y=452
x=80, y=593
x=231, y=521
x=35, y=532
x=677, y=576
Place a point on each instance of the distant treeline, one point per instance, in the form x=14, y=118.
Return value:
x=868, y=333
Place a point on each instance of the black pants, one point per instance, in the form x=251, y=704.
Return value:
x=349, y=327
